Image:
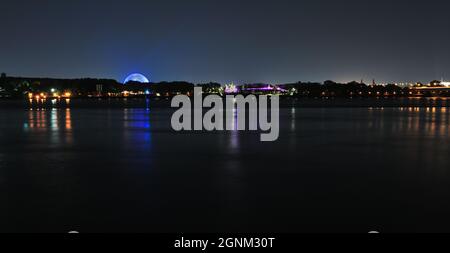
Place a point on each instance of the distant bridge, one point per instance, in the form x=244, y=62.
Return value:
x=437, y=88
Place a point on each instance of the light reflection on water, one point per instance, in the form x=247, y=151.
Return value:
x=327, y=160
x=43, y=119
x=412, y=120
x=234, y=134
x=56, y=122
x=424, y=121
x=136, y=123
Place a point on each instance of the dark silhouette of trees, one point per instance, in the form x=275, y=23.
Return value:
x=83, y=87
x=210, y=87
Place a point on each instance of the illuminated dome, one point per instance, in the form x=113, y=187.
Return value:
x=136, y=77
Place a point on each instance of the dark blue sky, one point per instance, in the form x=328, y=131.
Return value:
x=240, y=41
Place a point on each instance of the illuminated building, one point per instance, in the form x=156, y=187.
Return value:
x=263, y=89
x=136, y=77
x=231, y=89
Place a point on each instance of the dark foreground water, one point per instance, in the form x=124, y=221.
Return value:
x=125, y=170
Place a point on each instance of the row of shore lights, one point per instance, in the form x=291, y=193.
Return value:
x=55, y=94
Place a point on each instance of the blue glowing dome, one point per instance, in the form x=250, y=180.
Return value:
x=136, y=77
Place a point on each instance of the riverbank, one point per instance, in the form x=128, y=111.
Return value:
x=284, y=102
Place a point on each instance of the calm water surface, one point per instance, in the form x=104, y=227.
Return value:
x=125, y=170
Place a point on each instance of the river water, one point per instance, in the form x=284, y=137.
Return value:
x=117, y=169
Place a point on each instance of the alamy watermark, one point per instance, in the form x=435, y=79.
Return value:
x=235, y=113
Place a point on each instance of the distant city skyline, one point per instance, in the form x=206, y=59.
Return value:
x=229, y=41
x=128, y=78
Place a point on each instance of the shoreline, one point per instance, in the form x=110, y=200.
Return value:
x=287, y=102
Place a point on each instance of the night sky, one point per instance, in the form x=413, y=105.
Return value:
x=225, y=41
